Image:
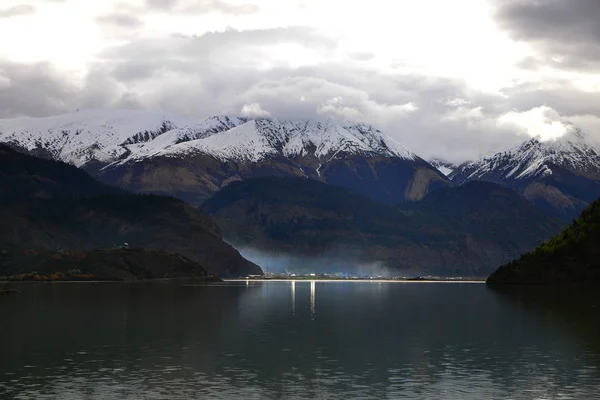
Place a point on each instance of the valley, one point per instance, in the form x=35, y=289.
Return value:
x=287, y=194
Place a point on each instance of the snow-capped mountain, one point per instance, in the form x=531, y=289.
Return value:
x=101, y=136
x=254, y=140
x=157, y=152
x=560, y=174
x=358, y=157
x=534, y=158
x=445, y=167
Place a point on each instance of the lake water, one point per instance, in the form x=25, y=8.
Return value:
x=272, y=340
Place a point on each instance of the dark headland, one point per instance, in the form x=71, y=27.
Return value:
x=570, y=258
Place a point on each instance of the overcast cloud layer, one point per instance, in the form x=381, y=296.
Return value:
x=448, y=79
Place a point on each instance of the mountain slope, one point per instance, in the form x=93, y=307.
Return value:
x=52, y=221
x=116, y=264
x=309, y=220
x=87, y=137
x=445, y=167
x=151, y=152
x=23, y=177
x=562, y=176
x=572, y=257
x=357, y=157
x=490, y=211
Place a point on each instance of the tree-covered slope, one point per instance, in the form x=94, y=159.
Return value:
x=113, y=264
x=571, y=257
x=26, y=177
x=47, y=206
x=487, y=210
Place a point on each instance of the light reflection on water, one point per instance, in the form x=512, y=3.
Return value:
x=313, y=300
x=293, y=286
x=255, y=340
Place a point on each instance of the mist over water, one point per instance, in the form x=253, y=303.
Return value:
x=334, y=262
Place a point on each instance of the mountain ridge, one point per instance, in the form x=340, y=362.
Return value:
x=192, y=160
x=48, y=206
x=560, y=175
x=445, y=167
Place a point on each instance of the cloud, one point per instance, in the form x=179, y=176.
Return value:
x=201, y=7
x=119, y=24
x=17, y=11
x=31, y=90
x=255, y=72
x=254, y=110
x=542, y=122
x=336, y=108
x=362, y=55
x=565, y=31
x=120, y=20
x=40, y=89
x=199, y=76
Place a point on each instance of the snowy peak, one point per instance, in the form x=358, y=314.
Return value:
x=242, y=143
x=88, y=135
x=109, y=136
x=202, y=130
x=445, y=167
x=534, y=158
x=253, y=140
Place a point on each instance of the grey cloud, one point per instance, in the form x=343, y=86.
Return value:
x=16, y=11
x=568, y=29
x=148, y=57
x=561, y=95
x=39, y=90
x=31, y=90
x=201, y=7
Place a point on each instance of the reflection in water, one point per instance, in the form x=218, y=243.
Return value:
x=312, y=299
x=577, y=310
x=224, y=341
x=293, y=297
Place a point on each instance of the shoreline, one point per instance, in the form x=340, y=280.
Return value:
x=359, y=280
x=225, y=280
x=6, y=282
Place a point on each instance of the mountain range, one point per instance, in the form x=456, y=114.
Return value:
x=148, y=152
x=370, y=198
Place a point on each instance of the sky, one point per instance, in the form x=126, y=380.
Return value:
x=450, y=79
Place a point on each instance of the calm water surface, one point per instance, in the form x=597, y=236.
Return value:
x=272, y=340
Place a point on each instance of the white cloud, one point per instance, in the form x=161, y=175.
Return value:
x=457, y=102
x=336, y=108
x=543, y=122
x=254, y=110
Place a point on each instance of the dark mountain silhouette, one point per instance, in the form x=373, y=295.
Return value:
x=571, y=257
x=458, y=231
x=57, y=207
